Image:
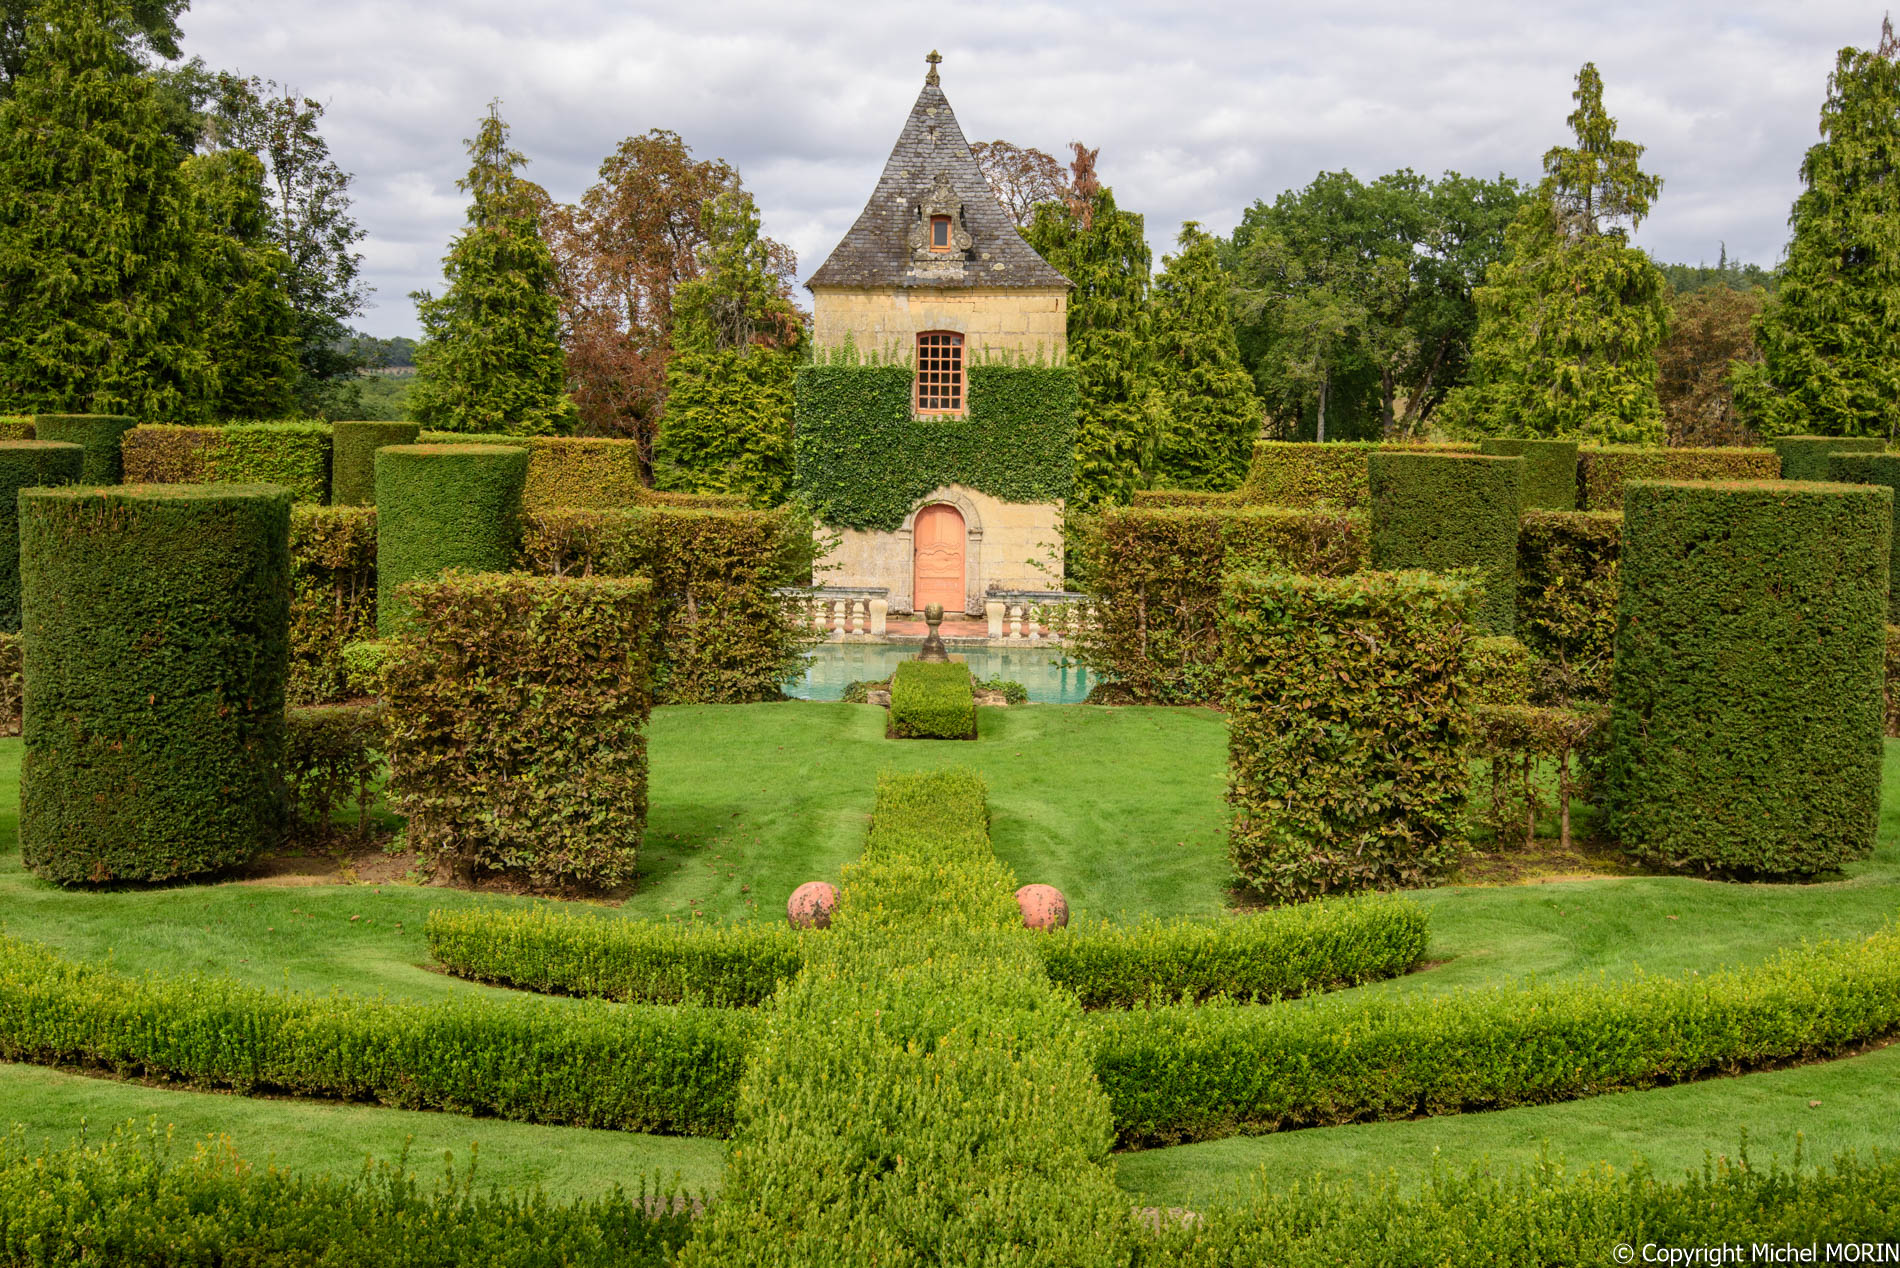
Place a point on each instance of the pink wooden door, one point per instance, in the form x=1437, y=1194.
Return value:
x=939, y=539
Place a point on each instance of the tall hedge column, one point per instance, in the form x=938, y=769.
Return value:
x=1442, y=512
x=155, y=627
x=440, y=507
x=1746, y=723
x=1875, y=468
x=25, y=464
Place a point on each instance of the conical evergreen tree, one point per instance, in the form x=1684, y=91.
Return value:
x=1101, y=249
x=1570, y=319
x=1209, y=413
x=491, y=355
x=250, y=329
x=737, y=341
x=1830, y=335
x=100, y=297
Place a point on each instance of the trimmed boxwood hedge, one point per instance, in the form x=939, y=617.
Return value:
x=294, y=455
x=1874, y=468
x=1330, y=473
x=440, y=507
x=1745, y=731
x=932, y=701
x=864, y=460
x=1566, y=601
x=1550, y=470
x=99, y=435
x=1805, y=457
x=1602, y=471
x=353, y=465
x=1446, y=512
x=26, y=464
x=155, y=622
x=1155, y=583
x=1347, y=721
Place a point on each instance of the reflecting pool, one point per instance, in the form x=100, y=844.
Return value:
x=1043, y=671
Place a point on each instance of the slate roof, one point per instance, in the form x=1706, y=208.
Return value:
x=877, y=252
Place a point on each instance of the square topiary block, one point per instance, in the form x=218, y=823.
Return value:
x=1550, y=470
x=932, y=701
x=1805, y=457
x=1446, y=512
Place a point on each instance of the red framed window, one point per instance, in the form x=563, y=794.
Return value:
x=940, y=233
x=939, y=372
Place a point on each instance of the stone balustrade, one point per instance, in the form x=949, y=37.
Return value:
x=1037, y=616
x=841, y=613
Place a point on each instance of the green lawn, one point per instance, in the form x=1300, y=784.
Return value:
x=1120, y=808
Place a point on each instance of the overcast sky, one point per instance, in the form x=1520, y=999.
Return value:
x=1198, y=109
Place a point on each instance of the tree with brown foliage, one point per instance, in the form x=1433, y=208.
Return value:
x=1021, y=177
x=621, y=252
x=1713, y=330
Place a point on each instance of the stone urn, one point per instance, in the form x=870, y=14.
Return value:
x=933, y=648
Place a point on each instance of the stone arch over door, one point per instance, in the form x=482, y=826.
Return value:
x=951, y=499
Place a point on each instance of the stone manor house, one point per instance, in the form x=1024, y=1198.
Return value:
x=935, y=269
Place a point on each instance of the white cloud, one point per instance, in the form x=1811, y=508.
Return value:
x=1198, y=110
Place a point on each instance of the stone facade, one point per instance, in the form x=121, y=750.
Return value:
x=1008, y=546
x=885, y=321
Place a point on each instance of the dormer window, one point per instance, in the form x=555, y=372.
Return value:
x=940, y=233
x=939, y=372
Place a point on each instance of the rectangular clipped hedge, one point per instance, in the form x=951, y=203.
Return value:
x=596, y=473
x=1566, y=600
x=1602, y=471
x=1806, y=457
x=332, y=597
x=17, y=427
x=517, y=709
x=1199, y=1072
x=1550, y=470
x=864, y=460
x=1874, y=468
x=295, y=455
x=1746, y=722
x=1330, y=473
x=585, y=1064
x=722, y=633
x=932, y=701
x=1347, y=723
x=1446, y=512
x=1155, y=580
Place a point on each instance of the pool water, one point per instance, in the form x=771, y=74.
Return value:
x=1042, y=671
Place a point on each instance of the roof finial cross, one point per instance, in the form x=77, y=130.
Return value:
x=934, y=58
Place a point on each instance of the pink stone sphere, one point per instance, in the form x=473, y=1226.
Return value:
x=811, y=905
x=1043, y=907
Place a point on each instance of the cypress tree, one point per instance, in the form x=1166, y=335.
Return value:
x=1101, y=249
x=1830, y=334
x=1570, y=319
x=100, y=297
x=490, y=359
x=737, y=341
x=251, y=333
x=1209, y=413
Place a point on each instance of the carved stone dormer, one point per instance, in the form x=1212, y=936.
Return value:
x=940, y=202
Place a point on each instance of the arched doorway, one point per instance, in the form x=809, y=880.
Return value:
x=939, y=539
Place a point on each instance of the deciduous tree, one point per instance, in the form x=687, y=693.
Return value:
x=1021, y=177
x=1711, y=336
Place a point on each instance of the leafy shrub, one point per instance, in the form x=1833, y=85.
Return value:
x=1299, y=950
x=722, y=633
x=516, y=710
x=1498, y=669
x=17, y=427
x=637, y=961
x=1566, y=601
x=353, y=470
x=1873, y=468
x=130, y=1199
x=293, y=455
x=332, y=597
x=1513, y=739
x=1806, y=457
x=1176, y=1073
x=1550, y=470
x=1746, y=722
x=99, y=435
x=587, y=1064
x=155, y=623
x=1449, y=512
x=440, y=507
x=330, y=761
x=1012, y=692
x=1346, y=731
x=25, y=464
x=1155, y=578
x=1602, y=471
x=860, y=692
x=932, y=701
x=865, y=461
x=1330, y=473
